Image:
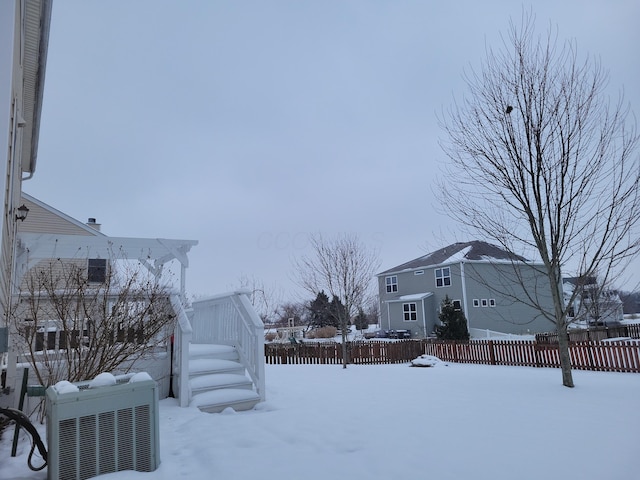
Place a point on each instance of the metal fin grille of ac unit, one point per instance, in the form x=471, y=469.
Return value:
x=103, y=430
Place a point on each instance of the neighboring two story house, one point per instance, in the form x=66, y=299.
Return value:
x=594, y=305
x=493, y=288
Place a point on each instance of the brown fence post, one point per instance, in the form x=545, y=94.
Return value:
x=492, y=353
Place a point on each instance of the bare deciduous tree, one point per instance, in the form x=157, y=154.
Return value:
x=291, y=310
x=263, y=298
x=72, y=328
x=343, y=267
x=542, y=162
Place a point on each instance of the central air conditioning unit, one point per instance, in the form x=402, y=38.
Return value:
x=105, y=429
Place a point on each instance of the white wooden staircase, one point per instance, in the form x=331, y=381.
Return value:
x=218, y=358
x=217, y=380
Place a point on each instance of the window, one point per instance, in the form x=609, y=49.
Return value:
x=457, y=306
x=410, y=312
x=392, y=284
x=419, y=272
x=484, y=302
x=476, y=302
x=492, y=302
x=443, y=277
x=97, y=271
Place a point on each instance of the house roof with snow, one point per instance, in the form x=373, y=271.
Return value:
x=462, y=251
x=580, y=281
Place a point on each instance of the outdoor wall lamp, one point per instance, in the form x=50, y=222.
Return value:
x=21, y=212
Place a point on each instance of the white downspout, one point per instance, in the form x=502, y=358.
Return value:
x=464, y=294
x=424, y=320
x=388, y=317
x=183, y=290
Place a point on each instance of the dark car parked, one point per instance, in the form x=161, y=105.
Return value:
x=399, y=334
x=377, y=334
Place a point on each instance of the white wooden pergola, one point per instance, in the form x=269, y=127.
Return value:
x=153, y=253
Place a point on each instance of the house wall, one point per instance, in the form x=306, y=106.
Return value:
x=410, y=283
x=42, y=220
x=513, y=311
x=57, y=272
x=24, y=32
x=11, y=106
x=506, y=307
x=426, y=317
x=608, y=309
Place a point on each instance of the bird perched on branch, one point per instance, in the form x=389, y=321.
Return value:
x=509, y=109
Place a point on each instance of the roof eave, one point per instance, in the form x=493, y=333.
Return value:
x=495, y=261
x=37, y=27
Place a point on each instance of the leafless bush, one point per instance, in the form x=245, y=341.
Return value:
x=71, y=328
x=324, y=332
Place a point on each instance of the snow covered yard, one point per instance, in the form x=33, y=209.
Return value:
x=393, y=421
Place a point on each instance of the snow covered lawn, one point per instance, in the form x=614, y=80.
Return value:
x=394, y=421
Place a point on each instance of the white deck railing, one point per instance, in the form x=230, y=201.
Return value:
x=226, y=319
x=181, y=339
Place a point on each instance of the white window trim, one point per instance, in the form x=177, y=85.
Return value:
x=390, y=283
x=414, y=311
x=442, y=277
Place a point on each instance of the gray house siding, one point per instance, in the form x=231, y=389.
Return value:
x=396, y=318
x=498, y=299
x=493, y=294
x=410, y=283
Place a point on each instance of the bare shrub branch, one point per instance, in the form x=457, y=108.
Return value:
x=70, y=328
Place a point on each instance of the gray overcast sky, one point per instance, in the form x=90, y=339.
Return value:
x=246, y=125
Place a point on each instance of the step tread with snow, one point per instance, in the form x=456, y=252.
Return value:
x=201, y=366
x=218, y=400
x=209, y=350
x=220, y=380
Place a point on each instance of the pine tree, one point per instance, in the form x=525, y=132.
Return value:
x=361, y=321
x=338, y=313
x=320, y=311
x=454, y=323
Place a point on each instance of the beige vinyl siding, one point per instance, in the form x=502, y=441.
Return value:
x=40, y=220
x=57, y=270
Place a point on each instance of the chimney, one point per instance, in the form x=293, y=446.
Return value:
x=92, y=223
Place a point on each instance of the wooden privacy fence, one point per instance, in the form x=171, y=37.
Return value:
x=593, y=334
x=613, y=356
x=361, y=353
